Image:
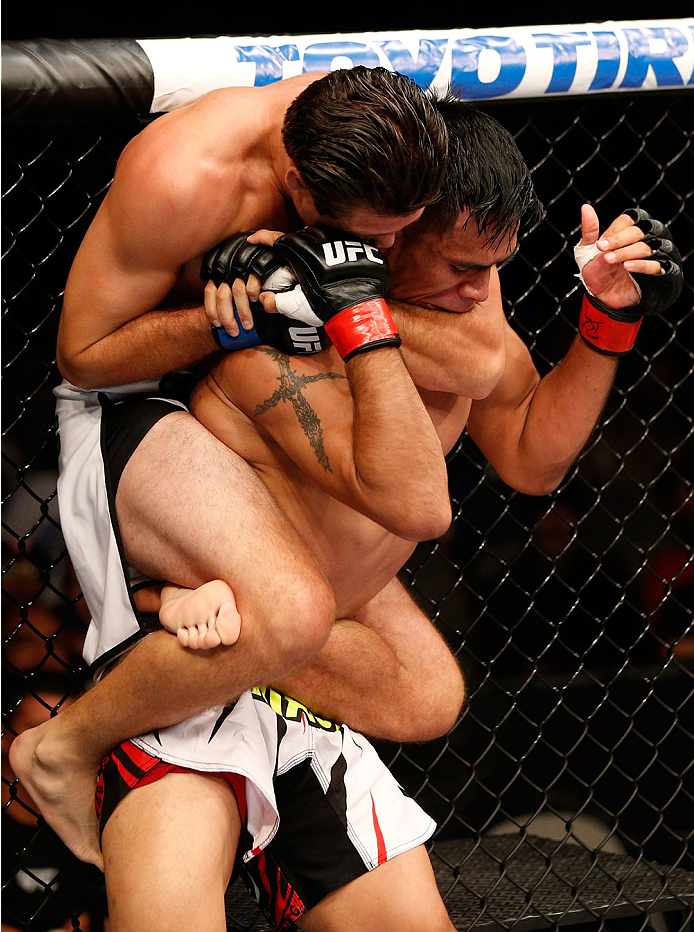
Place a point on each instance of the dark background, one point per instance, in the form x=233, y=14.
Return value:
x=129, y=20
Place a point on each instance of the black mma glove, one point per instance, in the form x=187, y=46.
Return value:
x=234, y=258
x=612, y=330
x=344, y=281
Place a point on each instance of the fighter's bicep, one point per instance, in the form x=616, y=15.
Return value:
x=496, y=422
x=107, y=287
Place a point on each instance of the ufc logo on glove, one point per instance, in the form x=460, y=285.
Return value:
x=338, y=252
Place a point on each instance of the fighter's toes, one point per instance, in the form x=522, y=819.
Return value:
x=228, y=624
x=211, y=639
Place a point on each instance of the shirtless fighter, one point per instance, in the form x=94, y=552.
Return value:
x=295, y=420
x=362, y=148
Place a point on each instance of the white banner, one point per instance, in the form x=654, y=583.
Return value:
x=528, y=61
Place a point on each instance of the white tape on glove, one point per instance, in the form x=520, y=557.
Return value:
x=290, y=301
x=583, y=255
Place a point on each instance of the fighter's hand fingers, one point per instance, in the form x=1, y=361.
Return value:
x=253, y=286
x=620, y=224
x=243, y=306
x=635, y=224
x=613, y=239
x=590, y=225
x=631, y=252
x=224, y=309
x=269, y=301
x=643, y=267
x=211, y=304
x=266, y=237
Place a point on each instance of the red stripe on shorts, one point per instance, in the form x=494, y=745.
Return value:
x=380, y=842
x=153, y=769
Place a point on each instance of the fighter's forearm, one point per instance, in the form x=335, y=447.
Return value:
x=565, y=408
x=452, y=353
x=533, y=443
x=144, y=348
x=398, y=459
x=433, y=345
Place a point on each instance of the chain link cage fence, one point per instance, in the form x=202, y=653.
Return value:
x=571, y=613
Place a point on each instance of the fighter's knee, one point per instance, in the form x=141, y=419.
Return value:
x=437, y=706
x=303, y=625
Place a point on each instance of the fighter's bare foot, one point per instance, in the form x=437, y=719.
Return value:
x=62, y=789
x=201, y=618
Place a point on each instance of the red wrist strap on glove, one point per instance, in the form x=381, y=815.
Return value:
x=604, y=333
x=362, y=327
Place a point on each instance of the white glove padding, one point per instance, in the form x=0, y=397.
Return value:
x=583, y=255
x=290, y=301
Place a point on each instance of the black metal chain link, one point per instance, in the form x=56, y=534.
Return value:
x=571, y=614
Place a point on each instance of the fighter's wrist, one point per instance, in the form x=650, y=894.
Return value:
x=611, y=331
x=362, y=327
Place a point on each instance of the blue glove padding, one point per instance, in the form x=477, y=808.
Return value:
x=283, y=333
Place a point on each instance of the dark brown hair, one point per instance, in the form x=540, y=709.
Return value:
x=486, y=176
x=367, y=137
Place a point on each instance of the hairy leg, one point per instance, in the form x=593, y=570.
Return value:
x=169, y=849
x=190, y=511
x=388, y=673
x=398, y=896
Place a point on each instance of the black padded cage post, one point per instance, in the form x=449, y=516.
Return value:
x=565, y=793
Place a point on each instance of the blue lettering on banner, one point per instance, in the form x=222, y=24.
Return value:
x=564, y=46
x=268, y=60
x=487, y=66
x=424, y=69
x=609, y=59
x=320, y=56
x=465, y=54
x=642, y=56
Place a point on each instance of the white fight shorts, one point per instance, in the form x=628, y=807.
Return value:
x=319, y=806
x=98, y=431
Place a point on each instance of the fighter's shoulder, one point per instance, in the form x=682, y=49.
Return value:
x=187, y=152
x=242, y=377
x=248, y=377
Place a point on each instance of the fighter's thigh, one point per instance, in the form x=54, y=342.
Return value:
x=398, y=896
x=169, y=849
x=191, y=510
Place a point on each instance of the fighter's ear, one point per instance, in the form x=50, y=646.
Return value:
x=301, y=196
x=293, y=179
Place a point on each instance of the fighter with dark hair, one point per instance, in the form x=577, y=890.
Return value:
x=469, y=368
x=389, y=159
x=147, y=493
